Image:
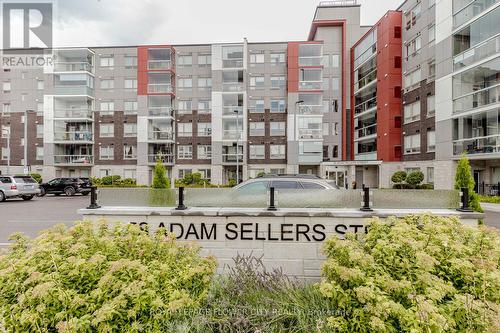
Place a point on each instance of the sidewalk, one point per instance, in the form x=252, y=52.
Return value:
x=491, y=207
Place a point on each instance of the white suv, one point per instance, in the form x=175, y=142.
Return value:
x=23, y=187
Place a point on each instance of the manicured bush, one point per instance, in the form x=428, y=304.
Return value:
x=426, y=186
x=231, y=183
x=95, y=278
x=488, y=199
x=160, y=179
x=415, y=178
x=414, y=274
x=398, y=178
x=37, y=177
x=110, y=180
x=464, y=179
x=114, y=181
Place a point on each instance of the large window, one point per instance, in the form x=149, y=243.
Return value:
x=412, y=144
x=278, y=105
x=129, y=152
x=412, y=112
x=278, y=128
x=106, y=152
x=106, y=130
x=184, y=152
x=278, y=151
x=477, y=133
x=412, y=79
x=257, y=128
x=431, y=141
x=257, y=152
x=185, y=129
x=204, y=152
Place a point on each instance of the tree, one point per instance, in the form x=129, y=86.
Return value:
x=463, y=178
x=160, y=179
x=415, y=178
x=398, y=178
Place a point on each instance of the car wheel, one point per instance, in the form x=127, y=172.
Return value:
x=27, y=197
x=42, y=192
x=2, y=197
x=85, y=193
x=69, y=191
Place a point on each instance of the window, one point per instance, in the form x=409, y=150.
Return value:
x=130, y=84
x=256, y=187
x=104, y=172
x=397, y=62
x=257, y=82
x=39, y=131
x=284, y=184
x=39, y=153
x=257, y=128
x=431, y=106
x=326, y=129
x=326, y=83
x=204, y=129
x=106, y=130
x=185, y=60
x=205, y=173
x=256, y=58
x=397, y=32
x=39, y=108
x=412, y=144
x=412, y=79
x=185, y=129
x=6, y=86
x=335, y=151
x=277, y=105
x=107, y=107
x=412, y=112
x=204, y=152
x=432, y=33
x=335, y=60
x=184, y=152
x=278, y=82
x=413, y=16
x=185, y=83
x=184, y=172
x=430, y=175
x=129, y=152
x=431, y=141
x=335, y=84
x=204, y=60
x=279, y=171
x=413, y=47
x=278, y=128
x=130, y=62
x=432, y=69
x=204, y=82
x=130, y=107
x=107, y=61
x=185, y=106
x=412, y=169
x=6, y=108
x=129, y=173
x=257, y=152
x=325, y=61
x=107, y=84
x=5, y=153
x=204, y=105
x=5, y=131
x=107, y=152
x=278, y=152
x=257, y=105
x=130, y=130
x=39, y=84
x=335, y=128
x=277, y=58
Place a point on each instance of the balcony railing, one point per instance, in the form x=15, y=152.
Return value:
x=73, y=136
x=310, y=109
x=232, y=157
x=83, y=113
x=73, y=159
x=160, y=136
x=477, y=53
x=159, y=88
x=310, y=85
x=366, y=131
x=159, y=64
x=232, y=63
x=477, y=99
x=482, y=145
x=204, y=132
x=165, y=158
x=160, y=111
x=473, y=9
x=310, y=133
x=310, y=61
x=370, y=104
x=73, y=90
x=231, y=135
x=231, y=110
x=367, y=79
x=232, y=86
x=73, y=67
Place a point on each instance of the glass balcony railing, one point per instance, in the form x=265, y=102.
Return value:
x=160, y=136
x=367, y=79
x=477, y=99
x=73, y=90
x=83, y=113
x=470, y=11
x=231, y=110
x=232, y=86
x=160, y=111
x=310, y=133
x=73, y=136
x=232, y=63
x=365, y=131
x=165, y=158
x=367, y=105
x=73, y=159
x=159, y=88
x=484, y=145
x=311, y=109
x=477, y=53
x=72, y=67
x=310, y=85
x=231, y=134
x=159, y=64
x=232, y=157
x=310, y=61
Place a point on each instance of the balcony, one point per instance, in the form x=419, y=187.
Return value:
x=73, y=90
x=73, y=160
x=366, y=106
x=311, y=109
x=231, y=110
x=232, y=134
x=74, y=136
x=165, y=158
x=310, y=158
x=159, y=65
x=478, y=52
x=366, y=80
x=483, y=145
x=161, y=111
x=310, y=85
x=232, y=86
x=159, y=88
x=82, y=113
x=473, y=9
x=366, y=131
x=233, y=157
x=307, y=133
x=310, y=61
x=160, y=136
x=232, y=63
x=61, y=66
x=477, y=99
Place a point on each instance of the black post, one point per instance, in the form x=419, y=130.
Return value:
x=366, y=200
x=483, y=188
x=465, y=200
x=498, y=189
x=271, y=207
x=93, y=198
x=180, y=205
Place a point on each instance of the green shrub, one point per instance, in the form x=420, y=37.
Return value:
x=37, y=177
x=415, y=178
x=464, y=179
x=95, y=278
x=398, y=178
x=231, y=183
x=110, y=180
x=414, y=274
x=488, y=199
x=160, y=179
x=426, y=186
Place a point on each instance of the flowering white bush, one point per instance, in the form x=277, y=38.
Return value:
x=415, y=274
x=95, y=278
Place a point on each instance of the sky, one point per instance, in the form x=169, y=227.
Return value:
x=133, y=22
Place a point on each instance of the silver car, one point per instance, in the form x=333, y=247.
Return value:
x=284, y=182
x=24, y=187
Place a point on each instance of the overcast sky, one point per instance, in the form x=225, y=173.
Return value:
x=132, y=22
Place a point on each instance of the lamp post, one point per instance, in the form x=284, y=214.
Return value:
x=237, y=146
x=26, y=140
x=295, y=127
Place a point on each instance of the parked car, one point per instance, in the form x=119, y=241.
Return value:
x=24, y=187
x=279, y=182
x=66, y=186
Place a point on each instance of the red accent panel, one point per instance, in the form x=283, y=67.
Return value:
x=142, y=68
x=293, y=67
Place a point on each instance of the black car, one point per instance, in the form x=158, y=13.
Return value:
x=67, y=186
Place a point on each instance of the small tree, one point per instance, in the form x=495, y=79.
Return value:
x=463, y=178
x=398, y=178
x=37, y=177
x=415, y=178
x=160, y=179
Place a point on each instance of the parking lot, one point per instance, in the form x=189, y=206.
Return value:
x=31, y=217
